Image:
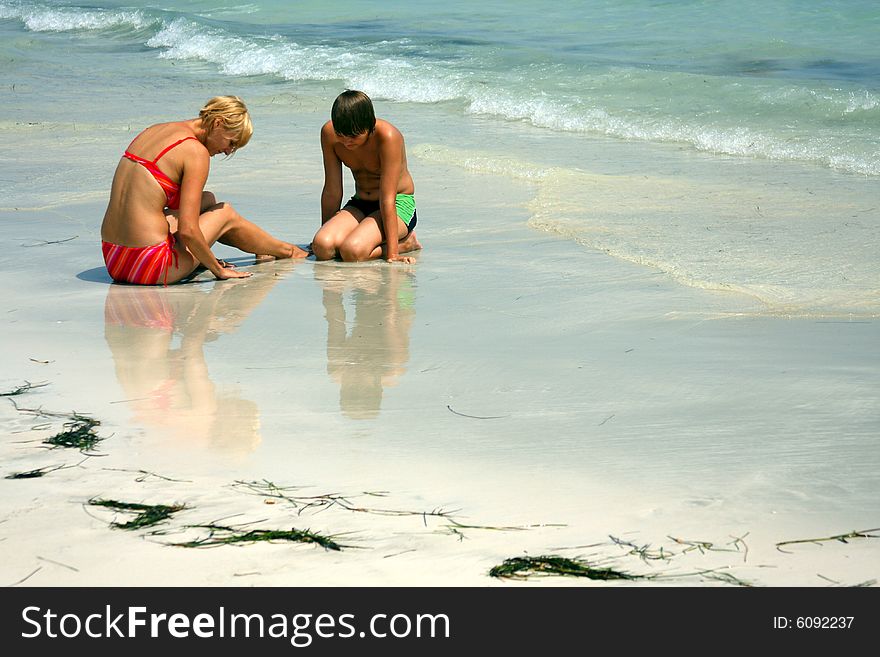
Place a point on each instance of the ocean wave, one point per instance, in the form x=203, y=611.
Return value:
x=823, y=102
x=224, y=9
x=42, y=18
x=379, y=75
x=862, y=101
x=574, y=116
x=829, y=127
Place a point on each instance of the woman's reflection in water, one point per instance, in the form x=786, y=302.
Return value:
x=368, y=353
x=157, y=335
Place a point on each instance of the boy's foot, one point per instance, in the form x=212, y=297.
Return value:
x=411, y=243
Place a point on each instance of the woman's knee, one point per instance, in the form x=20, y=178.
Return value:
x=228, y=214
x=220, y=223
x=208, y=200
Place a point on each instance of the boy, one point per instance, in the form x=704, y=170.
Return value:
x=378, y=221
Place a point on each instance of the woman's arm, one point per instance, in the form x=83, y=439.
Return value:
x=192, y=184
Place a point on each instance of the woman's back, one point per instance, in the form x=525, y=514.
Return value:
x=147, y=181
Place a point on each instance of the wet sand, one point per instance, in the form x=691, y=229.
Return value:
x=512, y=393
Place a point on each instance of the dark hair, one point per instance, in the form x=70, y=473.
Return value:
x=353, y=114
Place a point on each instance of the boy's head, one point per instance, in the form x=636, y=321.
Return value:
x=353, y=114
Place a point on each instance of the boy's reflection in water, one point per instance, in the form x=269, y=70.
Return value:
x=369, y=352
x=157, y=335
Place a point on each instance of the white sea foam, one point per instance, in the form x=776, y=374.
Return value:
x=223, y=9
x=380, y=76
x=725, y=139
x=862, y=101
x=41, y=18
x=823, y=102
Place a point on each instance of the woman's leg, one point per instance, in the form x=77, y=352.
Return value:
x=221, y=223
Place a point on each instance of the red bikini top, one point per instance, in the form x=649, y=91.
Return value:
x=171, y=188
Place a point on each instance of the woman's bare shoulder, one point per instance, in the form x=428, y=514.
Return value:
x=161, y=134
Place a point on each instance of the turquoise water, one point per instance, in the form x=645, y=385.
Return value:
x=733, y=146
x=781, y=80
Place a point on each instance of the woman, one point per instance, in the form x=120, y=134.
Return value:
x=160, y=223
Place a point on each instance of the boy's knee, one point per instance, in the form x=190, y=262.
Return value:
x=323, y=246
x=353, y=251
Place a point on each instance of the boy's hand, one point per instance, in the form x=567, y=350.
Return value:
x=409, y=260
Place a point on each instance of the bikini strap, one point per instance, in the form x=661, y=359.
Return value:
x=168, y=148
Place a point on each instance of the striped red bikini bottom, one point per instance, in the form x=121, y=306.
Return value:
x=141, y=265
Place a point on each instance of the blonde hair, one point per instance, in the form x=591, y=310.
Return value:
x=234, y=114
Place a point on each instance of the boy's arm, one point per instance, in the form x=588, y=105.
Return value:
x=331, y=195
x=391, y=157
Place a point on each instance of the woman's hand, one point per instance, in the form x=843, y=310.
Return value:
x=226, y=273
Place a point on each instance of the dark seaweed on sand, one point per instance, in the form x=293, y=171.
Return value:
x=20, y=390
x=523, y=567
x=78, y=433
x=220, y=535
x=31, y=474
x=147, y=514
x=41, y=472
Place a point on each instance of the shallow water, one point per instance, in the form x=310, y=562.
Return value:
x=738, y=145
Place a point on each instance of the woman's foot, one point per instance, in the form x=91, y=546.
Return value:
x=293, y=251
